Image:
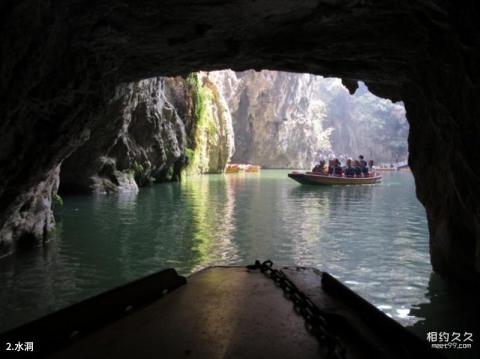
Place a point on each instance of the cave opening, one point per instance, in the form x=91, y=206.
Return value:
x=163, y=129
x=159, y=130
x=268, y=118
x=61, y=65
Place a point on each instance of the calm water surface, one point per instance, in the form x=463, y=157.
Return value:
x=374, y=238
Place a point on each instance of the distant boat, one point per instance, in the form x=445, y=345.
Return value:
x=252, y=168
x=318, y=179
x=232, y=168
x=240, y=167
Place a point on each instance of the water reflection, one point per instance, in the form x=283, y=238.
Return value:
x=210, y=204
x=372, y=237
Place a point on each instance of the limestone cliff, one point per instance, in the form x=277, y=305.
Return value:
x=211, y=139
x=364, y=123
x=33, y=222
x=153, y=128
x=141, y=140
x=278, y=121
x=290, y=120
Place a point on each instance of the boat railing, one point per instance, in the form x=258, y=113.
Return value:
x=369, y=175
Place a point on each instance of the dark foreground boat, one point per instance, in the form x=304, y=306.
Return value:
x=317, y=179
x=222, y=312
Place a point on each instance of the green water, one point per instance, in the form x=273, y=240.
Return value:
x=374, y=238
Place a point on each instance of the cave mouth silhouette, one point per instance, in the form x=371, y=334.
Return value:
x=60, y=63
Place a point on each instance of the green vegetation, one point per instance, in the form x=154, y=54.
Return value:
x=137, y=169
x=57, y=199
x=205, y=125
x=190, y=154
x=170, y=173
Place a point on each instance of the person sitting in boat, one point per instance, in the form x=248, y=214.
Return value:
x=357, y=169
x=363, y=166
x=322, y=165
x=336, y=168
x=320, y=168
x=370, y=168
x=330, y=167
x=349, y=170
x=370, y=165
x=362, y=161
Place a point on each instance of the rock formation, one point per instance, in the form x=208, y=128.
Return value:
x=34, y=221
x=289, y=120
x=61, y=61
x=152, y=130
x=142, y=139
x=364, y=124
x=277, y=118
x=212, y=142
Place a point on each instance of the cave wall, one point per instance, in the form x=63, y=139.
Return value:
x=154, y=130
x=142, y=139
x=61, y=61
x=33, y=223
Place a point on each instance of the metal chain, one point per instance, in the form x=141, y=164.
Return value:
x=315, y=318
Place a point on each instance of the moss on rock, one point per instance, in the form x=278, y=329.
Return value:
x=212, y=134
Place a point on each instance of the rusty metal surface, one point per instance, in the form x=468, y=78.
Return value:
x=232, y=312
x=221, y=313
